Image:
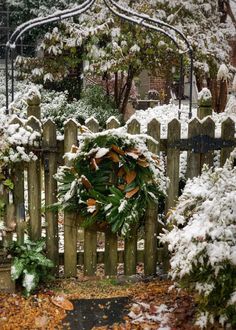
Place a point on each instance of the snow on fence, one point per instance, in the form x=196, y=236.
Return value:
x=200, y=145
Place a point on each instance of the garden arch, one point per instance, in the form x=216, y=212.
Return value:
x=118, y=10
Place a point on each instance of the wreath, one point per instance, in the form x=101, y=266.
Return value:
x=112, y=178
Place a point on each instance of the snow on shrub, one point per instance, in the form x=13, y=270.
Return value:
x=202, y=241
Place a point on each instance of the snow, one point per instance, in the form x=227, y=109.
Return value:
x=28, y=281
x=223, y=73
x=204, y=94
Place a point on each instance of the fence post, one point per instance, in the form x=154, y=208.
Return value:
x=173, y=154
x=33, y=108
x=208, y=128
x=130, y=253
x=90, y=236
x=227, y=133
x=70, y=219
x=18, y=195
x=204, y=104
x=151, y=215
x=34, y=189
x=193, y=159
x=50, y=168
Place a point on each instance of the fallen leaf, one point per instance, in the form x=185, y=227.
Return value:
x=132, y=192
x=62, y=302
x=105, y=317
x=41, y=321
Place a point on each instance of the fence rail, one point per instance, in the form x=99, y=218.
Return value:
x=40, y=177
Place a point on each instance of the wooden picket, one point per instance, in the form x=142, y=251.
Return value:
x=34, y=189
x=50, y=157
x=70, y=219
x=49, y=141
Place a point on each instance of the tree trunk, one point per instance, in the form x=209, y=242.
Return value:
x=127, y=90
x=116, y=92
x=213, y=86
x=222, y=96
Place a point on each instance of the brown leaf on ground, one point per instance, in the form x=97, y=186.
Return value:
x=62, y=302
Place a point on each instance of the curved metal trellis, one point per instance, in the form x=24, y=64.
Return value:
x=122, y=12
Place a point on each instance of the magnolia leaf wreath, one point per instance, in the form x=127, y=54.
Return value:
x=112, y=178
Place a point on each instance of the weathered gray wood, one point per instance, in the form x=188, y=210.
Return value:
x=50, y=168
x=112, y=123
x=90, y=236
x=70, y=219
x=154, y=130
x=90, y=252
x=33, y=108
x=150, y=257
x=110, y=253
x=100, y=256
x=34, y=189
x=19, y=201
x=173, y=163
x=133, y=127
x=193, y=159
x=208, y=128
x=18, y=194
x=10, y=225
x=92, y=125
x=151, y=214
x=130, y=254
x=227, y=133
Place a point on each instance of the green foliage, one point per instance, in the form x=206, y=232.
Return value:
x=111, y=180
x=202, y=242
x=102, y=106
x=94, y=103
x=30, y=265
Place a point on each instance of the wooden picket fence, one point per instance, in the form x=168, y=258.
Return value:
x=200, y=145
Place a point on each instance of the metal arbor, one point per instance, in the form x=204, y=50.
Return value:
x=118, y=10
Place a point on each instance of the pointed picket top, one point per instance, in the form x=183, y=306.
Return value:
x=208, y=126
x=34, y=123
x=133, y=127
x=154, y=129
x=16, y=120
x=92, y=124
x=194, y=127
x=112, y=122
x=208, y=120
x=49, y=123
x=228, y=125
x=71, y=122
x=49, y=133
x=174, y=129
